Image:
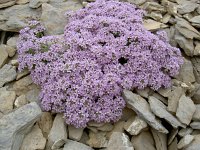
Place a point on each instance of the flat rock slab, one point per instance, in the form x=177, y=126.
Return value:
x=195, y=144
x=7, y=74
x=73, y=145
x=160, y=140
x=160, y=110
x=185, y=141
x=185, y=110
x=15, y=125
x=142, y=108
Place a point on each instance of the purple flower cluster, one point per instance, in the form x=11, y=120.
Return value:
x=104, y=49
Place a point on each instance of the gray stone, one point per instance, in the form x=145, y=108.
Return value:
x=137, y=2
x=142, y=108
x=146, y=92
x=6, y=100
x=106, y=127
x=33, y=95
x=20, y=2
x=3, y=55
x=174, y=98
x=195, y=144
x=160, y=110
x=165, y=92
x=119, y=141
x=22, y=74
x=13, y=41
x=20, y=101
x=143, y=141
x=196, y=115
x=37, y=3
x=195, y=19
x=135, y=126
x=97, y=140
x=84, y=138
x=45, y=123
x=15, y=125
x=186, y=74
x=14, y=18
x=196, y=64
x=127, y=113
x=185, y=110
x=153, y=6
x=34, y=140
x=152, y=25
x=197, y=48
x=184, y=132
x=186, y=7
x=73, y=145
x=118, y=127
x=58, y=144
x=160, y=140
x=172, y=135
x=173, y=145
x=58, y=131
x=185, y=141
x=6, y=3
x=7, y=74
x=195, y=125
x=75, y=133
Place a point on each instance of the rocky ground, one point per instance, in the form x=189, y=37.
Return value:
x=165, y=120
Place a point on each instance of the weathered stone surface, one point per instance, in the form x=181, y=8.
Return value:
x=58, y=144
x=13, y=41
x=152, y=25
x=75, y=133
x=118, y=127
x=160, y=110
x=20, y=2
x=195, y=144
x=135, y=125
x=195, y=19
x=195, y=125
x=73, y=145
x=58, y=131
x=186, y=29
x=137, y=2
x=119, y=141
x=143, y=141
x=160, y=140
x=6, y=3
x=15, y=125
x=6, y=100
x=97, y=140
x=185, y=141
x=34, y=140
x=197, y=48
x=165, y=92
x=37, y=3
x=14, y=18
x=196, y=115
x=22, y=74
x=173, y=145
x=196, y=64
x=153, y=6
x=84, y=138
x=127, y=113
x=45, y=123
x=172, y=135
x=146, y=92
x=3, y=55
x=33, y=95
x=184, y=132
x=7, y=74
x=186, y=7
x=186, y=74
x=185, y=110
x=20, y=101
x=142, y=108
x=174, y=98
x=106, y=127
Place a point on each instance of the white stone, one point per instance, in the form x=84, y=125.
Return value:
x=185, y=141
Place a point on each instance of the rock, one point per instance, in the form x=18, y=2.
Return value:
x=73, y=145
x=185, y=103
x=160, y=140
x=186, y=74
x=195, y=125
x=33, y=95
x=127, y=113
x=146, y=92
x=6, y=3
x=118, y=127
x=142, y=108
x=51, y=17
x=3, y=55
x=186, y=29
x=15, y=125
x=137, y=2
x=160, y=110
x=37, y=3
x=45, y=123
x=7, y=74
x=135, y=125
x=195, y=19
x=106, y=127
x=22, y=74
x=196, y=115
x=84, y=138
x=153, y=6
x=13, y=41
x=166, y=18
x=58, y=144
x=94, y=124
x=6, y=100
x=197, y=49
x=171, y=136
x=160, y=98
x=185, y=141
x=20, y=101
x=10, y=50
x=173, y=145
x=174, y=98
x=186, y=44
x=20, y=2
x=195, y=144
x=196, y=64
x=75, y=133
x=144, y=137
x=184, y=132
x=14, y=18
x=156, y=16
x=119, y=141
x=34, y=140
x=165, y=92
x=152, y=25
x=58, y=131
x=97, y=140
x=186, y=7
